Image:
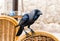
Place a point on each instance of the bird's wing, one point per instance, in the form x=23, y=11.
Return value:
x=24, y=19
x=31, y=15
x=20, y=31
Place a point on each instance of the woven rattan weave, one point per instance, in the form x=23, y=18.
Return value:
x=7, y=28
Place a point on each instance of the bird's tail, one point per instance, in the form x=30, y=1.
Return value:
x=20, y=31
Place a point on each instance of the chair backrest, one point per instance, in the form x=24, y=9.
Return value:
x=7, y=28
x=39, y=36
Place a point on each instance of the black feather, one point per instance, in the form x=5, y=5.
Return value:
x=20, y=31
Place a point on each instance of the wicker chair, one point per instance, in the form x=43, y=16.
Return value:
x=39, y=36
x=7, y=28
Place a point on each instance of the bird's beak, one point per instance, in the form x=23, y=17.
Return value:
x=40, y=13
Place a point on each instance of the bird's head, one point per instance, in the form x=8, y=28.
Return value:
x=36, y=13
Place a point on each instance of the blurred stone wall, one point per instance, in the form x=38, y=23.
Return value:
x=1, y=6
x=5, y=6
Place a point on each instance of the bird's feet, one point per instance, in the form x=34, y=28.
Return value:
x=32, y=32
x=27, y=34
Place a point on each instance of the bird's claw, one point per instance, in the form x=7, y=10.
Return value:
x=27, y=35
x=32, y=32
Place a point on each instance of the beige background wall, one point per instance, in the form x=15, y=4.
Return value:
x=5, y=6
x=50, y=9
x=50, y=20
